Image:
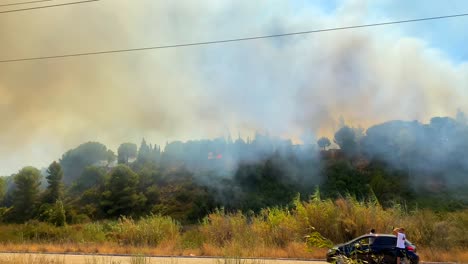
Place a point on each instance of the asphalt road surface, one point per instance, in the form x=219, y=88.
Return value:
x=106, y=259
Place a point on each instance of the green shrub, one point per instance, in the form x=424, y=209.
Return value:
x=150, y=230
x=92, y=232
x=53, y=213
x=192, y=239
x=276, y=227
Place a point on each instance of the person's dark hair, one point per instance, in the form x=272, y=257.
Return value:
x=372, y=231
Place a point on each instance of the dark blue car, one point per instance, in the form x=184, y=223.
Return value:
x=378, y=248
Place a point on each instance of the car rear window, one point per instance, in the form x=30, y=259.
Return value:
x=385, y=241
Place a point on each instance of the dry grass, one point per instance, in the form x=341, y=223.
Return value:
x=30, y=259
x=452, y=255
x=238, y=260
x=274, y=233
x=103, y=248
x=100, y=260
x=292, y=250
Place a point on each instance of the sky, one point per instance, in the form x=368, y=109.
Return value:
x=296, y=87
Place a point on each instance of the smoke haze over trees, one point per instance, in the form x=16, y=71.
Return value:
x=409, y=163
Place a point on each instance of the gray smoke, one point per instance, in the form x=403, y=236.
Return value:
x=293, y=87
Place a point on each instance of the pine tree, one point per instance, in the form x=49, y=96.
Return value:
x=121, y=196
x=144, y=153
x=54, y=178
x=26, y=192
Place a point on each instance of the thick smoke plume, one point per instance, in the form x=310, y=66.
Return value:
x=294, y=87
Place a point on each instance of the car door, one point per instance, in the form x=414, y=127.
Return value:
x=361, y=249
x=382, y=250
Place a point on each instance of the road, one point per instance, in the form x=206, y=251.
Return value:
x=106, y=259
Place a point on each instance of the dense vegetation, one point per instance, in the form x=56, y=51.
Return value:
x=273, y=232
x=398, y=163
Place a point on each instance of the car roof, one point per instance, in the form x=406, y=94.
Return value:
x=375, y=235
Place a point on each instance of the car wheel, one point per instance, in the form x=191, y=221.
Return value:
x=405, y=260
x=379, y=259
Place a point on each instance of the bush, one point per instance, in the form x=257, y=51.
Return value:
x=277, y=227
x=36, y=231
x=192, y=239
x=217, y=227
x=53, y=213
x=149, y=231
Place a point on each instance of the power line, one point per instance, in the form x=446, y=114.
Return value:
x=24, y=3
x=231, y=40
x=47, y=6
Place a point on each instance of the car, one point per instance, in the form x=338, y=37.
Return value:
x=371, y=248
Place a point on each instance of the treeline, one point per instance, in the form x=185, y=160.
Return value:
x=409, y=164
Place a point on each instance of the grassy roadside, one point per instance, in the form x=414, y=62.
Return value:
x=294, y=250
x=272, y=233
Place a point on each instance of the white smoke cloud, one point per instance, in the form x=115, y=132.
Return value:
x=292, y=87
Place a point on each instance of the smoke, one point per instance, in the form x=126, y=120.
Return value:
x=295, y=87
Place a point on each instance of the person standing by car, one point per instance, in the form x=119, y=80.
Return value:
x=400, y=246
x=371, y=239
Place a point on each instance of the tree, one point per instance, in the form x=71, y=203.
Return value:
x=395, y=142
x=323, y=143
x=25, y=194
x=74, y=161
x=180, y=197
x=91, y=177
x=110, y=156
x=345, y=137
x=126, y=151
x=121, y=196
x=54, y=190
x=263, y=184
x=144, y=153
x=342, y=178
x=156, y=154
x=3, y=185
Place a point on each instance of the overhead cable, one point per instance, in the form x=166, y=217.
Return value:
x=25, y=3
x=230, y=40
x=46, y=6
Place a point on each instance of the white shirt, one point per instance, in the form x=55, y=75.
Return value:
x=400, y=240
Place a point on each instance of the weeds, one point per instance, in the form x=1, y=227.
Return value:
x=274, y=232
x=32, y=259
x=238, y=260
x=151, y=230
x=139, y=259
x=100, y=260
x=167, y=261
